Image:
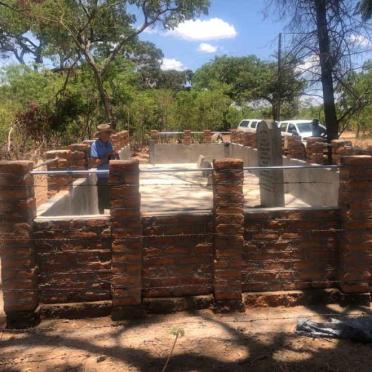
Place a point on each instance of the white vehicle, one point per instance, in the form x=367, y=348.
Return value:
x=302, y=128
x=248, y=125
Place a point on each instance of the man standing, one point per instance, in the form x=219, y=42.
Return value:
x=101, y=153
x=318, y=131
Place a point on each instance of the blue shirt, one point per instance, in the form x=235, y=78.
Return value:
x=100, y=149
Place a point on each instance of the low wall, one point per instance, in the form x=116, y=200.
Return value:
x=177, y=255
x=74, y=259
x=127, y=259
x=249, y=155
x=161, y=153
x=290, y=249
x=81, y=198
x=283, y=250
x=316, y=187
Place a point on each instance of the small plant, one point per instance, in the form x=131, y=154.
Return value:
x=177, y=332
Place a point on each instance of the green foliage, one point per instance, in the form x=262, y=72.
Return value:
x=246, y=79
x=356, y=98
x=365, y=8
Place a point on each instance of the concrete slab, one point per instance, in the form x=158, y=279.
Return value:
x=186, y=191
x=167, y=190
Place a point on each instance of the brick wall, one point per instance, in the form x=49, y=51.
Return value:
x=290, y=249
x=177, y=255
x=74, y=259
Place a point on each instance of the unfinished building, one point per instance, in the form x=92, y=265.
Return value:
x=202, y=225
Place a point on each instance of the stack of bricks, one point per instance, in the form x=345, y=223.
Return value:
x=294, y=148
x=315, y=149
x=120, y=140
x=341, y=148
x=155, y=136
x=79, y=156
x=228, y=201
x=355, y=198
x=288, y=249
x=186, y=140
x=19, y=270
x=178, y=255
x=57, y=183
x=249, y=139
x=233, y=136
x=207, y=136
x=127, y=244
x=240, y=137
x=76, y=269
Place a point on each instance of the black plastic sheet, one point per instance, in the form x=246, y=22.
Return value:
x=356, y=329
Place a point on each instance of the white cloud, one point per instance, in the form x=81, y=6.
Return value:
x=211, y=29
x=172, y=64
x=309, y=65
x=360, y=40
x=207, y=48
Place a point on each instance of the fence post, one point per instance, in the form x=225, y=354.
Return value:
x=127, y=244
x=228, y=200
x=355, y=201
x=18, y=266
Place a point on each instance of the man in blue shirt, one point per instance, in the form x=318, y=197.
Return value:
x=101, y=153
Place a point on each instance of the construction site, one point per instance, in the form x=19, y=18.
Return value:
x=235, y=241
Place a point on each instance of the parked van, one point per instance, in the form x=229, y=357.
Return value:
x=302, y=128
x=248, y=125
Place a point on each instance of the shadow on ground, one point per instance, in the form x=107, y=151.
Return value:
x=258, y=341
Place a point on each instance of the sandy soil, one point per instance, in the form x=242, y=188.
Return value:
x=259, y=340
x=361, y=142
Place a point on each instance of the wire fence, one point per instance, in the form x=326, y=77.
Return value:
x=188, y=188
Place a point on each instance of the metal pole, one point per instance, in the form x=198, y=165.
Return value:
x=176, y=170
x=277, y=115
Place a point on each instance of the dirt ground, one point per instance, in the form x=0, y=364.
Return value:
x=361, y=142
x=259, y=340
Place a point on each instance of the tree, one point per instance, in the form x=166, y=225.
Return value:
x=246, y=79
x=357, y=100
x=365, y=8
x=85, y=25
x=326, y=31
x=15, y=40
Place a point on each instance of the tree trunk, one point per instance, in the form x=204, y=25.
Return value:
x=104, y=98
x=326, y=66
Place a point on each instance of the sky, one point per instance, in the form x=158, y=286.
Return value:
x=232, y=27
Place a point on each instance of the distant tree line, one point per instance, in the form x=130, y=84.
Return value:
x=81, y=62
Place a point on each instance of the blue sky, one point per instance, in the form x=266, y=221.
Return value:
x=232, y=27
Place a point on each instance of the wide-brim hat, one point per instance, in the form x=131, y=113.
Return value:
x=103, y=128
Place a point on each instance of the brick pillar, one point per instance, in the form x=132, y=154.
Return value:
x=79, y=156
x=125, y=138
x=207, y=136
x=58, y=183
x=155, y=136
x=315, y=149
x=355, y=201
x=341, y=148
x=228, y=202
x=115, y=140
x=127, y=239
x=186, y=140
x=249, y=139
x=294, y=147
x=18, y=266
